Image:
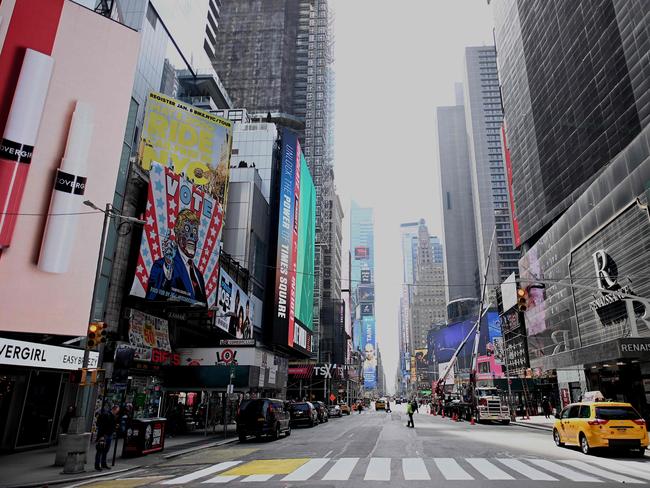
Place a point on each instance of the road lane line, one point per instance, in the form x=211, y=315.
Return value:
x=451, y=470
x=378, y=470
x=342, y=470
x=528, y=471
x=220, y=479
x=306, y=471
x=414, y=469
x=328, y=453
x=489, y=470
x=590, y=468
x=257, y=477
x=201, y=473
x=558, y=469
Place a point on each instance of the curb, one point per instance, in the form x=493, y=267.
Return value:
x=72, y=480
x=533, y=426
x=202, y=446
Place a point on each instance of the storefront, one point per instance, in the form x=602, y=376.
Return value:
x=35, y=389
x=590, y=322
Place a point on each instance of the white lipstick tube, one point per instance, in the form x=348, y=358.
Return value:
x=67, y=195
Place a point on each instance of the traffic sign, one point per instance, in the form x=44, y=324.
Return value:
x=332, y=397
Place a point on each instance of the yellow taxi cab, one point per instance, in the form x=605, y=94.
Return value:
x=380, y=404
x=601, y=424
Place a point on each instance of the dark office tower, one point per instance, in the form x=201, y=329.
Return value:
x=461, y=262
x=483, y=117
x=576, y=92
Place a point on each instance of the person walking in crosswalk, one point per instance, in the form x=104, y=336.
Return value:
x=409, y=412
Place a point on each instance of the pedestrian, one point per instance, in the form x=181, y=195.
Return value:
x=70, y=413
x=547, y=407
x=387, y=406
x=106, y=424
x=409, y=412
x=415, y=405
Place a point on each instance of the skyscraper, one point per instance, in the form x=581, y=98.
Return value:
x=483, y=118
x=429, y=305
x=459, y=237
x=565, y=124
x=275, y=59
x=409, y=239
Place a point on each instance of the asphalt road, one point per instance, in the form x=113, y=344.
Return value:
x=376, y=448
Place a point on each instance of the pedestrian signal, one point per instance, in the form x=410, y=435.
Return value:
x=96, y=334
x=522, y=299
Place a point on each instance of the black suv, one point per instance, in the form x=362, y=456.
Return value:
x=303, y=413
x=263, y=416
x=323, y=415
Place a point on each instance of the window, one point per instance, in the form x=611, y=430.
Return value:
x=574, y=412
x=585, y=412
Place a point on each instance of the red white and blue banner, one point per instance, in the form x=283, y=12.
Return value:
x=179, y=251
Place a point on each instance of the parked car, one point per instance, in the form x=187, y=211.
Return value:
x=334, y=411
x=322, y=411
x=345, y=408
x=592, y=425
x=303, y=413
x=263, y=416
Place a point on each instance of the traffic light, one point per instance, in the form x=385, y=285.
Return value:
x=96, y=334
x=522, y=299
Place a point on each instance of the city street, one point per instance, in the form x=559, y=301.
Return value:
x=376, y=447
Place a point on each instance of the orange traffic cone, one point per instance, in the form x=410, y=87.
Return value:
x=472, y=422
x=457, y=418
x=443, y=413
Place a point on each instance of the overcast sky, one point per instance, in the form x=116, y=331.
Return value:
x=395, y=61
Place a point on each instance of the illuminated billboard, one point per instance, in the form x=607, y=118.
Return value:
x=361, y=252
x=369, y=350
x=235, y=311
x=366, y=293
x=294, y=276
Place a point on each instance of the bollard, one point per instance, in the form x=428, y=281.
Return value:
x=75, y=462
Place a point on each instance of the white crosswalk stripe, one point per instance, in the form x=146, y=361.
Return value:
x=562, y=471
x=307, y=470
x=489, y=470
x=341, y=470
x=451, y=470
x=378, y=470
x=528, y=471
x=415, y=469
x=422, y=469
x=590, y=468
x=201, y=473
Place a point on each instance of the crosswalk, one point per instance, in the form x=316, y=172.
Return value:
x=417, y=469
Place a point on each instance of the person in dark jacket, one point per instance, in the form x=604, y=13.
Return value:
x=106, y=425
x=70, y=413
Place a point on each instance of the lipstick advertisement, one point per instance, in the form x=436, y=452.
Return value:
x=68, y=194
x=19, y=137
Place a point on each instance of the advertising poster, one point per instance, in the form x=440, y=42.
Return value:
x=294, y=283
x=192, y=142
x=443, y=343
x=367, y=309
x=366, y=293
x=235, y=311
x=421, y=361
x=179, y=251
x=146, y=333
x=361, y=252
x=366, y=276
x=369, y=353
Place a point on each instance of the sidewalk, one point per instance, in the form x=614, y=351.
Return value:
x=35, y=468
x=538, y=422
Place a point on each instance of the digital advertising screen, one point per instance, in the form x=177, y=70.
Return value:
x=235, y=311
x=369, y=352
x=443, y=343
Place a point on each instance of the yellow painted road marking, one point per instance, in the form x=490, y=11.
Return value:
x=267, y=466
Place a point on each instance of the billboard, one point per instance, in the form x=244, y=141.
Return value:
x=509, y=292
x=361, y=252
x=369, y=353
x=421, y=360
x=235, y=311
x=443, y=343
x=87, y=68
x=190, y=141
x=294, y=279
x=366, y=293
x=366, y=276
x=367, y=309
x=147, y=333
x=179, y=250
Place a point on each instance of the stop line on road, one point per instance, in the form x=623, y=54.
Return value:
x=414, y=469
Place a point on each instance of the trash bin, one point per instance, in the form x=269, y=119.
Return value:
x=144, y=436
